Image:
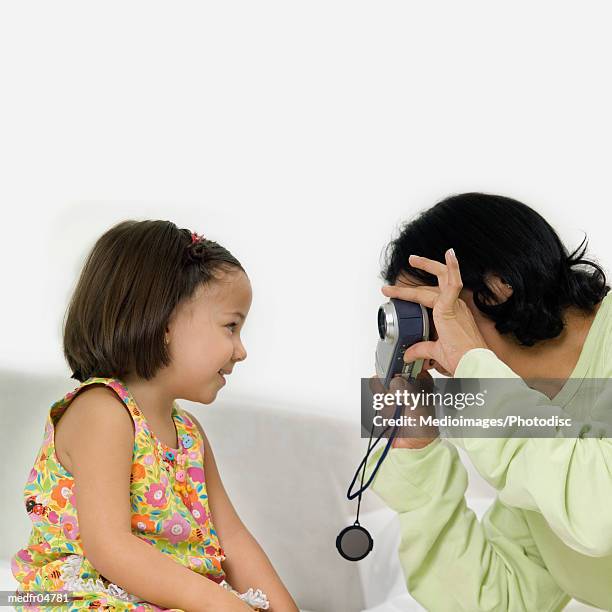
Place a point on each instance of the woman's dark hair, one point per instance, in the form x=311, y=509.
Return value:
x=134, y=277
x=492, y=234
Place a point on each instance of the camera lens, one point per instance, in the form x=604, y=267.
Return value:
x=382, y=323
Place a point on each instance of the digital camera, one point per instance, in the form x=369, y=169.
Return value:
x=400, y=325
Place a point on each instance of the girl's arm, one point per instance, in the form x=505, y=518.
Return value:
x=247, y=565
x=100, y=439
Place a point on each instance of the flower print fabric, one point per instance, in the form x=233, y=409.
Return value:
x=169, y=505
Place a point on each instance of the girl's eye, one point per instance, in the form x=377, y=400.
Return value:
x=232, y=326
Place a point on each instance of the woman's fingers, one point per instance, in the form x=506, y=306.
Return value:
x=450, y=283
x=420, y=350
x=453, y=283
x=429, y=265
x=398, y=382
x=422, y=295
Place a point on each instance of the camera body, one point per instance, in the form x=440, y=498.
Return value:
x=400, y=325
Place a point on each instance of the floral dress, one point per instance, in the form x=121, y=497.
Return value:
x=169, y=506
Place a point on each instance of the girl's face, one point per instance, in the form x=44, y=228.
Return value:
x=204, y=337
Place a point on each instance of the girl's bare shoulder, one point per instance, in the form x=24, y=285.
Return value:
x=92, y=403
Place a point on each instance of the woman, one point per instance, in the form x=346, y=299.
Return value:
x=508, y=303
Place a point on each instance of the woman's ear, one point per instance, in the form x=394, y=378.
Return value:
x=501, y=289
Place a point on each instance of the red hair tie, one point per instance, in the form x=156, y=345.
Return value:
x=195, y=237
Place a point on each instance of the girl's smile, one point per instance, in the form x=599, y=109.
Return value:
x=205, y=337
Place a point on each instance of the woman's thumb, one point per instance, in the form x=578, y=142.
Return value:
x=420, y=350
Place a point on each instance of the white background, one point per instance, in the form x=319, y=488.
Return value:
x=297, y=134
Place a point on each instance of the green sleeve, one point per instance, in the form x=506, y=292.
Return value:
x=561, y=478
x=451, y=561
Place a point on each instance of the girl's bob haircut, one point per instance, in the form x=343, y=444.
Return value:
x=133, y=279
x=496, y=235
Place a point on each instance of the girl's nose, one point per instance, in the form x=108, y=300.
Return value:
x=240, y=353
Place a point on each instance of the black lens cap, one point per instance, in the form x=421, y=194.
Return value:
x=354, y=543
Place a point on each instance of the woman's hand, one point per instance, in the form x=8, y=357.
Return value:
x=408, y=436
x=419, y=436
x=455, y=326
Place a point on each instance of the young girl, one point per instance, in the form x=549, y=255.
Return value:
x=124, y=489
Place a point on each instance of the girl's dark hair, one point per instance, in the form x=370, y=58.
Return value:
x=134, y=277
x=492, y=234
